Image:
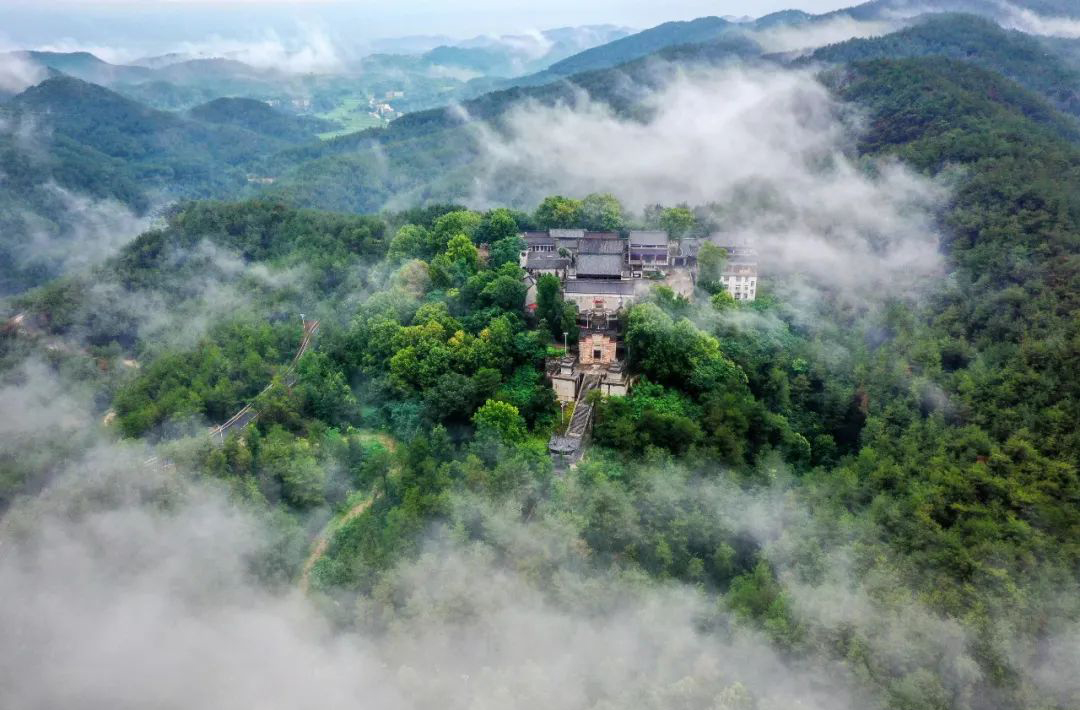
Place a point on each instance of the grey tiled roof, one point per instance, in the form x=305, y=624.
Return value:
x=599, y=287
x=567, y=233
x=602, y=246
x=599, y=264
x=650, y=238
x=534, y=237
x=546, y=260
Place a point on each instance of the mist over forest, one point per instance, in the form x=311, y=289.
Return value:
x=727, y=363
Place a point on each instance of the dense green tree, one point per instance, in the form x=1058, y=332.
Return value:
x=677, y=221
x=322, y=386
x=602, y=213
x=560, y=316
x=497, y=224
x=501, y=421
x=505, y=292
x=410, y=242
x=506, y=251
x=711, y=262
x=457, y=263
x=452, y=224
x=559, y=212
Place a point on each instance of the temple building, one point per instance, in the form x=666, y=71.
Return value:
x=600, y=294
x=546, y=262
x=603, y=274
x=648, y=249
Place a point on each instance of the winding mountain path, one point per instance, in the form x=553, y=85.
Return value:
x=322, y=541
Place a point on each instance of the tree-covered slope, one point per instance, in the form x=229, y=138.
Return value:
x=81, y=161
x=885, y=9
x=182, y=155
x=641, y=44
x=1013, y=54
x=970, y=456
x=258, y=117
x=85, y=66
x=911, y=468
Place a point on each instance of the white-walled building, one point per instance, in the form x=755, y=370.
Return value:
x=740, y=279
x=740, y=275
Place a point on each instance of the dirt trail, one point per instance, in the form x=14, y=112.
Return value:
x=322, y=542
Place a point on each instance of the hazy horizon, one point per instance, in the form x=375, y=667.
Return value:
x=124, y=30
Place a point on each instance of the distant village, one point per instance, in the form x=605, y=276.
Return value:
x=603, y=274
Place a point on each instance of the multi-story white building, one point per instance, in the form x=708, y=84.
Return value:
x=740, y=275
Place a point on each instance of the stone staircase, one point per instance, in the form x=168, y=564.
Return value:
x=583, y=411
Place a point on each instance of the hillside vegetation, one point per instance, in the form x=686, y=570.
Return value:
x=880, y=494
x=1015, y=55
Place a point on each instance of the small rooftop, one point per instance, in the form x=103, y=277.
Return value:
x=741, y=268
x=738, y=250
x=649, y=238
x=537, y=237
x=566, y=233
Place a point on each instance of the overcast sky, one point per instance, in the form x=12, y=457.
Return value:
x=157, y=24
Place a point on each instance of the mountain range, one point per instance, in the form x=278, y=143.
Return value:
x=234, y=144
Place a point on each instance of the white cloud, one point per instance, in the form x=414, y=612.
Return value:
x=811, y=35
x=17, y=74
x=94, y=230
x=312, y=51
x=771, y=149
x=138, y=588
x=1025, y=20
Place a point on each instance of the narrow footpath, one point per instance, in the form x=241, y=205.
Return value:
x=357, y=508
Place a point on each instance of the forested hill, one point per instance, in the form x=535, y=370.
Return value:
x=258, y=117
x=911, y=465
x=179, y=155
x=430, y=155
x=85, y=66
x=878, y=9
x=641, y=44
x=82, y=161
x=933, y=439
x=1018, y=56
